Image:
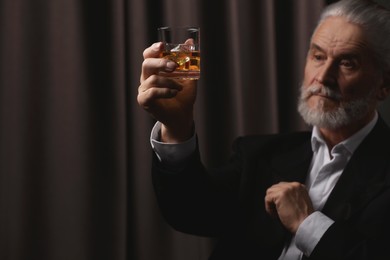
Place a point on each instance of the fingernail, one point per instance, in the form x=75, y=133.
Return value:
x=157, y=46
x=173, y=92
x=170, y=66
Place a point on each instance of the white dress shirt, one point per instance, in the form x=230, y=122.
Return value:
x=325, y=169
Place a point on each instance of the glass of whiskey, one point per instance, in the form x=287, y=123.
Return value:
x=181, y=45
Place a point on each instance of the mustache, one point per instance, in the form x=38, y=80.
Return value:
x=320, y=90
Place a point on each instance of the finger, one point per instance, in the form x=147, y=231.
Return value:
x=275, y=188
x=153, y=63
x=272, y=195
x=189, y=41
x=270, y=207
x=156, y=87
x=145, y=98
x=153, y=51
x=156, y=81
x=152, y=66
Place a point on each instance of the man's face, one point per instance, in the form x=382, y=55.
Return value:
x=340, y=81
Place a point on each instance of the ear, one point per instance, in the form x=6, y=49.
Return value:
x=383, y=93
x=384, y=90
x=386, y=78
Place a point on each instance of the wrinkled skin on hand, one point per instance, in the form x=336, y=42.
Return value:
x=290, y=202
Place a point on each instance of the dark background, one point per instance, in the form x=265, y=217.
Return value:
x=74, y=145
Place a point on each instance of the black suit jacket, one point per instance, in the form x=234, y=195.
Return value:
x=228, y=202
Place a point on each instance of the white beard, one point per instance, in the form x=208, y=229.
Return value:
x=345, y=114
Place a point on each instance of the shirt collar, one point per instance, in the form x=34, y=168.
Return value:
x=350, y=144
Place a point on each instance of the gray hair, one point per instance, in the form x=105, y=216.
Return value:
x=374, y=20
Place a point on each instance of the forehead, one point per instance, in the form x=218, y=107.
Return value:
x=336, y=34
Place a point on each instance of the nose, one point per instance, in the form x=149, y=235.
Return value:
x=326, y=74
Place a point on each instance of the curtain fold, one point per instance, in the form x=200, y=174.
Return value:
x=74, y=144
x=63, y=130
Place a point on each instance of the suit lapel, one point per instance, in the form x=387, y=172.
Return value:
x=294, y=164
x=364, y=176
x=362, y=179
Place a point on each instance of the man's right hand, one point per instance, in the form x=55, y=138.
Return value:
x=168, y=100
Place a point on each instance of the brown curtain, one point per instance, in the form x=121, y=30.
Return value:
x=74, y=145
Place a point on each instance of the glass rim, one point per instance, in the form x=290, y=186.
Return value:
x=197, y=28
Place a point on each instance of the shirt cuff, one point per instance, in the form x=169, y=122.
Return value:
x=171, y=153
x=311, y=231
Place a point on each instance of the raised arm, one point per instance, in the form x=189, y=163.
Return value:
x=168, y=100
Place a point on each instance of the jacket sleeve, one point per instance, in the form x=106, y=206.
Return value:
x=192, y=200
x=364, y=236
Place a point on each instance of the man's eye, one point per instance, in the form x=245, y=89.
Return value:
x=318, y=57
x=347, y=64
